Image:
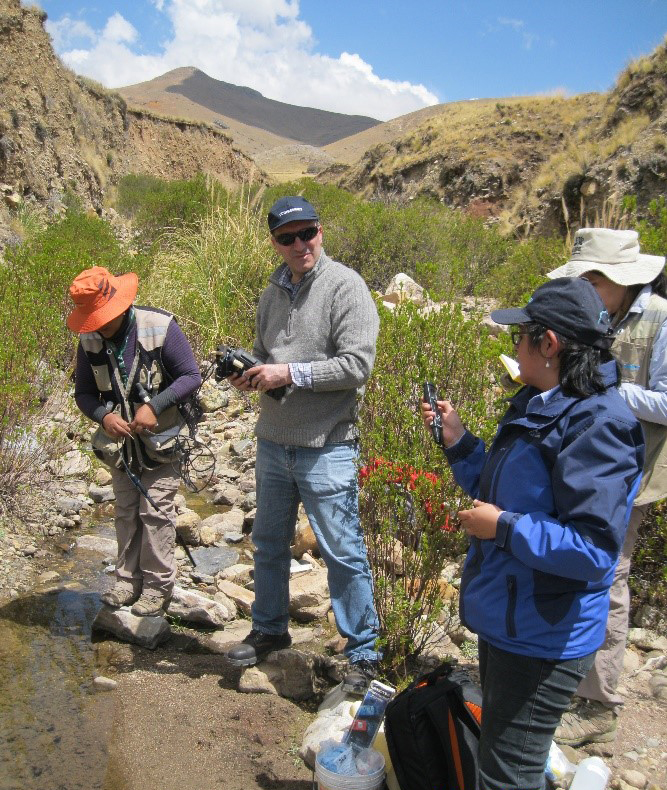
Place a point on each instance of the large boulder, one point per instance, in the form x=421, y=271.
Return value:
x=148, y=632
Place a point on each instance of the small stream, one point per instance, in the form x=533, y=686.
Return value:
x=54, y=728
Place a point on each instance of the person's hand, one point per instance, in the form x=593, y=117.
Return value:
x=482, y=521
x=115, y=426
x=267, y=377
x=452, y=427
x=144, y=419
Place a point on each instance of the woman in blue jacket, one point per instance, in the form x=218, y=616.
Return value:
x=552, y=495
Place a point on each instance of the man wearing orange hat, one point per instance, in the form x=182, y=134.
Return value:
x=134, y=366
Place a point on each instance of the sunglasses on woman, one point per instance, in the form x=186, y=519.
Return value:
x=306, y=234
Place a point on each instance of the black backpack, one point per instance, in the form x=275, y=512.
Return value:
x=432, y=730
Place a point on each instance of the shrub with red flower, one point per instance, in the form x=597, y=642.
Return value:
x=438, y=514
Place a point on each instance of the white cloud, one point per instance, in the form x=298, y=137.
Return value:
x=262, y=44
x=518, y=25
x=67, y=31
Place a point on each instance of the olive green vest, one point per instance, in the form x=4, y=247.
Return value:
x=632, y=348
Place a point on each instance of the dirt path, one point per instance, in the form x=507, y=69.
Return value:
x=179, y=724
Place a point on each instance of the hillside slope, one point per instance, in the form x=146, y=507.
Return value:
x=62, y=133
x=535, y=164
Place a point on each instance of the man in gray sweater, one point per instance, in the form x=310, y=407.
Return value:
x=316, y=330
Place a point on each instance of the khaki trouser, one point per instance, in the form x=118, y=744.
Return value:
x=146, y=537
x=600, y=683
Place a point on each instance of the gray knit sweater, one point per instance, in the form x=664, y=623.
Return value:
x=333, y=324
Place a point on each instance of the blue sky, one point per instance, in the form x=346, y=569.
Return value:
x=382, y=59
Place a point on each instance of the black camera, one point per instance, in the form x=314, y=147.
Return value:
x=235, y=361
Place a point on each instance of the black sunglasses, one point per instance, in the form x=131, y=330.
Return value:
x=516, y=335
x=307, y=234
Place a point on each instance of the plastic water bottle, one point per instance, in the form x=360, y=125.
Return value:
x=591, y=774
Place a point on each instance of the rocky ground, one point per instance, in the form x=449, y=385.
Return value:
x=180, y=716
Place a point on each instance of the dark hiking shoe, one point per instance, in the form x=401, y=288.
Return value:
x=359, y=676
x=150, y=604
x=257, y=646
x=588, y=722
x=119, y=596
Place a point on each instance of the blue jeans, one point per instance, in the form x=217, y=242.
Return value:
x=523, y=699
x=325, y=480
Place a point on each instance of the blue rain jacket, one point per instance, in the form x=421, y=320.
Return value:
x=565, y=473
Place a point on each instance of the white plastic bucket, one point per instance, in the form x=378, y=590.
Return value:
x=328, y=780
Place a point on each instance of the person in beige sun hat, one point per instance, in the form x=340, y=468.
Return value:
x=632, y=286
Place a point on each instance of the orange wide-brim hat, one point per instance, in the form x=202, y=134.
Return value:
x=99, y=297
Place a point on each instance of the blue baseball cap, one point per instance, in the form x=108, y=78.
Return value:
x=570, y=307
x=290, y=209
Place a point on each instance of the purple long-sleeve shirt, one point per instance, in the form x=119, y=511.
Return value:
x=177, y=358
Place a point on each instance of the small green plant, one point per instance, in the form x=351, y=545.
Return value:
x=408, y=500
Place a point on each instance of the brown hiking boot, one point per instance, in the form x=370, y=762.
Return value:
x=150, y=603
x=118, y=596
x=588, y=722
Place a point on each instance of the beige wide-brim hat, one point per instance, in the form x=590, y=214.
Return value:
x=613, y=253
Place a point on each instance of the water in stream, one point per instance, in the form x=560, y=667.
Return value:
x=53, y=729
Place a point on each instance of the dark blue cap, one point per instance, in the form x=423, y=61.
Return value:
x=290, y=209
x=569, y=306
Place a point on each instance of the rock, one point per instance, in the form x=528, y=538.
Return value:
x=97, y=543
x=304, y=538
x=221, y=641
x=74, y=462
x=227, y=495
x=207, y=536
x=187, y=525
x=250, y=501
x=101, y=493
x=631, y=661
x=247, y=483
x=104, y=684
x=651, y=617
x=241, y=446
x=67, y=505
x=403, y=288
x=193, y=607
x=102, y=476
x=239, y=574
x=647, y=639
x=287, y=673
x=309, y=596
x=149, y=632
x=29, y=551
x=233, y=537
x=242, y=598
x=634, y=779
x=49, y=576
x=213, y=398
x=212, y=559
x=658, y=685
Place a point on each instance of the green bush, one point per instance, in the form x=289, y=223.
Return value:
x=526, y=267
x=446, y=249
x=400, y=504
x=653, y=229
x=157, y=206
x=648, y=578
x=210, y=275
x=36, y=346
